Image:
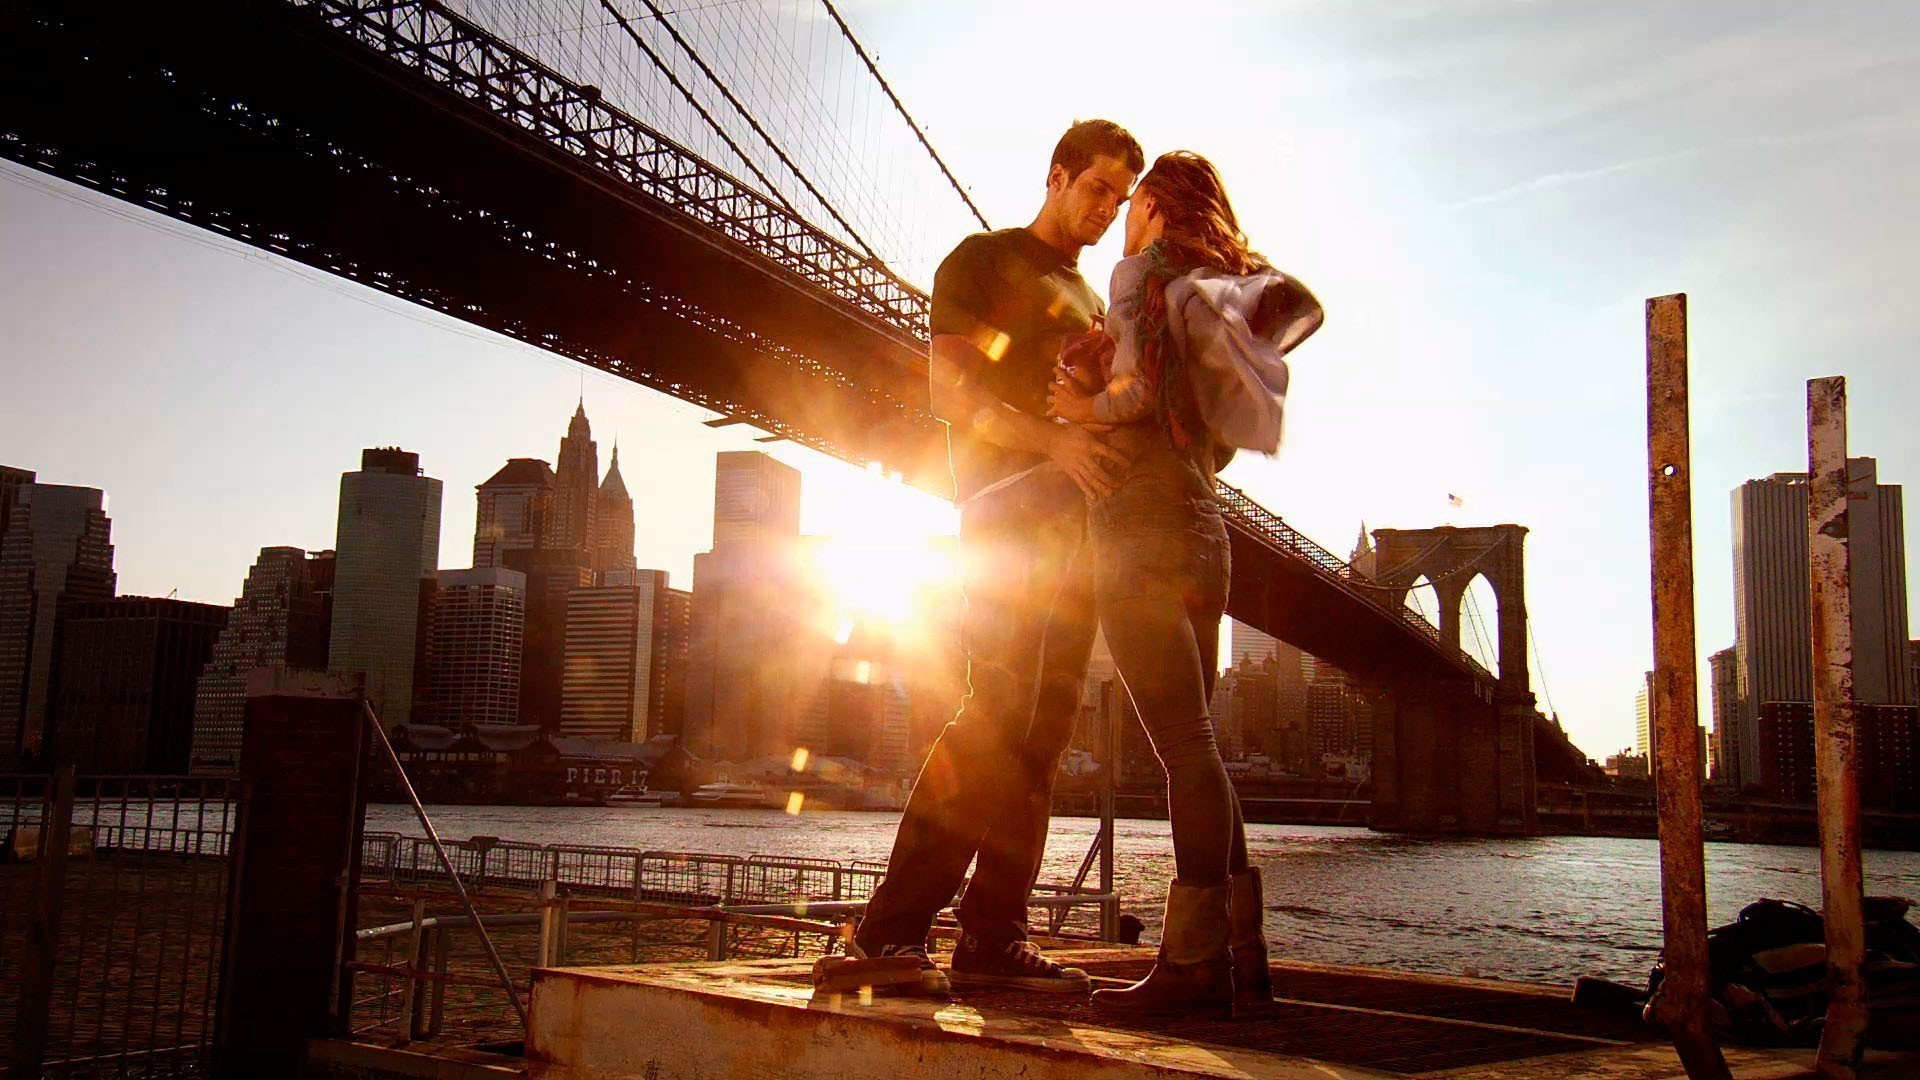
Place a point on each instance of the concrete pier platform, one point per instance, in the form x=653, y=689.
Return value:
x=715, y=1021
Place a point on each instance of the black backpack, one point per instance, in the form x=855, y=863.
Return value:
x=1769, y=970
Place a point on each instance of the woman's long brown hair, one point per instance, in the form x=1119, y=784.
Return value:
x=1188, y=194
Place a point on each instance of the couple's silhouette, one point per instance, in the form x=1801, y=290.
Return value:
x=1084, y=445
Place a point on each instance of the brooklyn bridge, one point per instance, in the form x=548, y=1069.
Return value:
x=527, y=168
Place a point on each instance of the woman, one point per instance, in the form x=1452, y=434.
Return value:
x=1161, y=565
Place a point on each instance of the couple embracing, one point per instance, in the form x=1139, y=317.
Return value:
x=1084, y=446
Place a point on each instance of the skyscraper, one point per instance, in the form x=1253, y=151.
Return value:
x=1646, y=732
x=1643, y=717
x=1332, y=718
x=1724, y=667
x=1773, y=636
x=754, y=498
x=576, y=483
x=11, y=481
x=620, y=646
x=1364, y=559
x=552, y=574
x=513, y=512
x=387, y=544
x=613, y=523
x=1254, y=722
x=743, y=667
x=57, y=550
x=478, y=618
x=673, y=619
x=1234, y=742
x=1250, y=645
x=282, y=619
x=124, y=684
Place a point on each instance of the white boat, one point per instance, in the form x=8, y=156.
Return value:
x=640, y=796
x=725, y=794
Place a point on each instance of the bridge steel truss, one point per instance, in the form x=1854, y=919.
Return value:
x=396, y=144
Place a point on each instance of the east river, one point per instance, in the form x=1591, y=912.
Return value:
x=1543, y=910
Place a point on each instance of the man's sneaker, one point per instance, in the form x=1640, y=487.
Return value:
x=1016, y=964
x=933, y=982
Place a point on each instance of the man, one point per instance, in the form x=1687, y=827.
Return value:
x=1003, y=302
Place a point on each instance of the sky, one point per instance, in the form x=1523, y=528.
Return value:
x=1483, y=193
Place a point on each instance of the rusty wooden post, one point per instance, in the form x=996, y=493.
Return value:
x=1676, y=754
x=1835, y=749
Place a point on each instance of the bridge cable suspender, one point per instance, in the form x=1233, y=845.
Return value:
x=1540, y=665
x=772, y=191
x=714, y=78
x=847, y=32
x=1480, y=629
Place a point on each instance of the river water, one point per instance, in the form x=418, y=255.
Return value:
x=1542, y=910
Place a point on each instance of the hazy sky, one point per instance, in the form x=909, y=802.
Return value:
x=1482, y=193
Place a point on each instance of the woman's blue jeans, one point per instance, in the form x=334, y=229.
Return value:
x=1161, y=571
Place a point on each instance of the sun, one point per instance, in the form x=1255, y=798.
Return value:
x=883, y=581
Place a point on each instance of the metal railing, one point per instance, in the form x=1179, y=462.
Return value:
x=630, y=873
x=113, y=907
x=421, y=976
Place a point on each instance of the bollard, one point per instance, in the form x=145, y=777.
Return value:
x=1676, y=764
x=1835, y=749
x=546, y=924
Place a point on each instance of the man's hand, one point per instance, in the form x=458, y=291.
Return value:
x=1070, y=403
x=1092, y=464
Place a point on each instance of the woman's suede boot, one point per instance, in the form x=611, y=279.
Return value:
x=1246, y=938
x=1195, y=970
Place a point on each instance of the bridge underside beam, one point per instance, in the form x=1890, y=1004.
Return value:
x=252, y=121
x=1291, y=600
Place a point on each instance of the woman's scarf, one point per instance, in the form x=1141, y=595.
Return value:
x=1162, y=361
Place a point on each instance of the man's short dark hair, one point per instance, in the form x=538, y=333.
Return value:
x=1088, y=139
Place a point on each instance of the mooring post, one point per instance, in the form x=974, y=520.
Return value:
x=1676, y=754
x=1835, y=749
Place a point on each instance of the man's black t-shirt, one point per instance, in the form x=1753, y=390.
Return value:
x=1016, y=299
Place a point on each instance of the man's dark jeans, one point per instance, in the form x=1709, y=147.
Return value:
x=987, y=785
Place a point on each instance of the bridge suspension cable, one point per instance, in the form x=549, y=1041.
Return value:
x=861, y=52
x=661, y=16
x=1488, y=648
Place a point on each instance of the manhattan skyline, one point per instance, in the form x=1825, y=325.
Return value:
x=1482, y=193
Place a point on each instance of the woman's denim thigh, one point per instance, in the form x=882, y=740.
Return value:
x=1161, y=575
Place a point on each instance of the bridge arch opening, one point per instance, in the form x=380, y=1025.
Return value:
x=1480, y=623
x=1423, y=601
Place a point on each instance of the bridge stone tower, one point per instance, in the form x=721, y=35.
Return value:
x=1456, y=757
